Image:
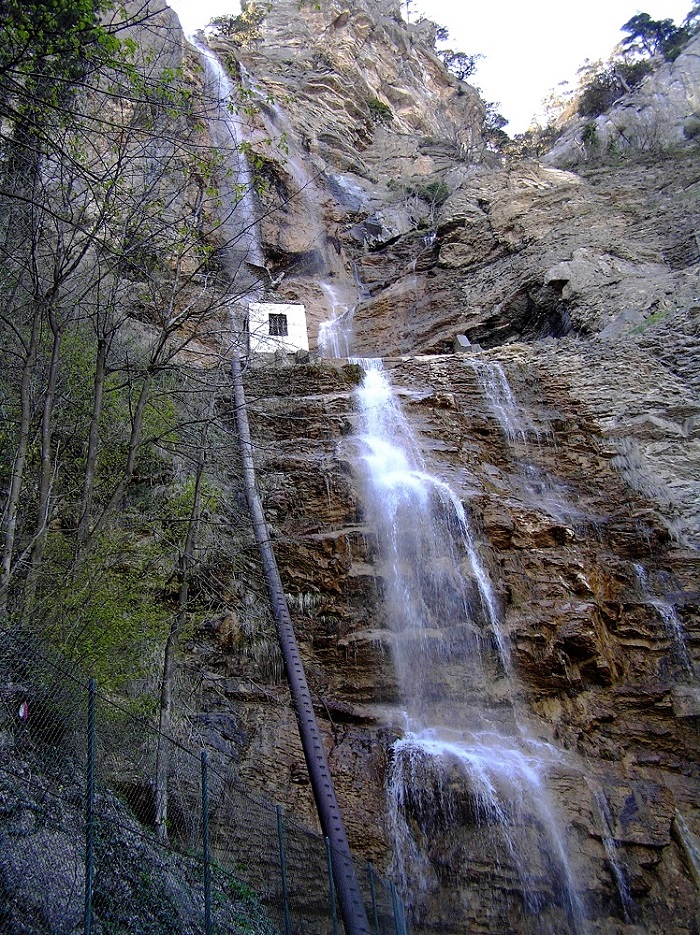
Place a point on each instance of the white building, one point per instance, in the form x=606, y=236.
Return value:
x=274, y=327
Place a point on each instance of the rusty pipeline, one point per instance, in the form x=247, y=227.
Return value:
x=349, y=896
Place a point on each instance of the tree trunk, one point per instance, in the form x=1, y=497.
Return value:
x=166, y=691
x=127, y=474
x=17, y=476
x=46, y=472
x=93, y=443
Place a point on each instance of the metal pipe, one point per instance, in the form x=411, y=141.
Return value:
x=331, y=889
x=348, y=889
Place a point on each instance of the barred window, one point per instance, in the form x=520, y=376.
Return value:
x=278, y=326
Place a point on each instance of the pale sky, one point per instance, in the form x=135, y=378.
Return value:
x=529, y=45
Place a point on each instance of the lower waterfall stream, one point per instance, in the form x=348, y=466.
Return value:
x=466, y=783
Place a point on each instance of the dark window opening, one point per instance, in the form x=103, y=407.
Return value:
x=278, y=326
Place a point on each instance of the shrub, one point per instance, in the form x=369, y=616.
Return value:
x=590, y=134
x=435, y=193
x=379, y=111
x=601, y=91
x=244, y=29
x=691, y=127
x=460, y=64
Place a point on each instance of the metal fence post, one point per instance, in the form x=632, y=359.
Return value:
x=399, y=921
x=373, y=897
x=283, y=870
x=205, y=845
x=89, y=808
x=331, y=886
x=402, y=914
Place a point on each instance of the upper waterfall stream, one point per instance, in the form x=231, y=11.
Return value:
x=239, y=232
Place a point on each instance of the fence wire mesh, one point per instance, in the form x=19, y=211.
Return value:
x=74, y=860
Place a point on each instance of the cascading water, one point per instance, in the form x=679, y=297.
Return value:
x=610, y=846
x=519, y=430
x=323, y=253
x=335, y=333
x=467, y=783
x=497, y=391
x=238, y=225
x=672, y=624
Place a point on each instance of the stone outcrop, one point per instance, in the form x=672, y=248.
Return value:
x=652, y=118
x=532, y=252
x=429, y=236
x=356, y=124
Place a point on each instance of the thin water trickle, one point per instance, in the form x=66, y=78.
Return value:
x=307, y=196
x=465, y=767
x=671, y=621
x=519, y=429
x=499, y=396
x=611, y=853
x=335, y=334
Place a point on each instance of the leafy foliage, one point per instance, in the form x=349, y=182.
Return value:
x=460, y=64
x=647, y=36
x=691, y=127
x=605, y=86
x=493, y=132
x=51, y=39
x=647, y=41
x=244, y=30
x=434, y=193
x=108, y=199
x=379, y=111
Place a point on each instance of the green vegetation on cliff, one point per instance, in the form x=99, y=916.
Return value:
x=106, y=181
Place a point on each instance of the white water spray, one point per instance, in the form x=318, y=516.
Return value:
x=499, y=396
x=464, y=771
x=532, y=484
x=611, y=853
x=335, y=333
x=239, y=212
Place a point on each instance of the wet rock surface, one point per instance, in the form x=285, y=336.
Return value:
x=583, y=562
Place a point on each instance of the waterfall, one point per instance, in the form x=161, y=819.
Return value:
x=496, y=389
x=308, y=193
x=335, y=333
x=466, y=780
x=339, y=288
x=238, y=223
x=517, y=428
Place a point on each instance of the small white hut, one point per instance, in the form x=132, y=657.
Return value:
x=274, y=327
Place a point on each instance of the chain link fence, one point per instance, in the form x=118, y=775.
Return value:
x=79, y=848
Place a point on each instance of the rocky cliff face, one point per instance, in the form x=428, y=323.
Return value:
x=357, y=125
x=585, y=291
x=649, y=120
x=586, y=571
